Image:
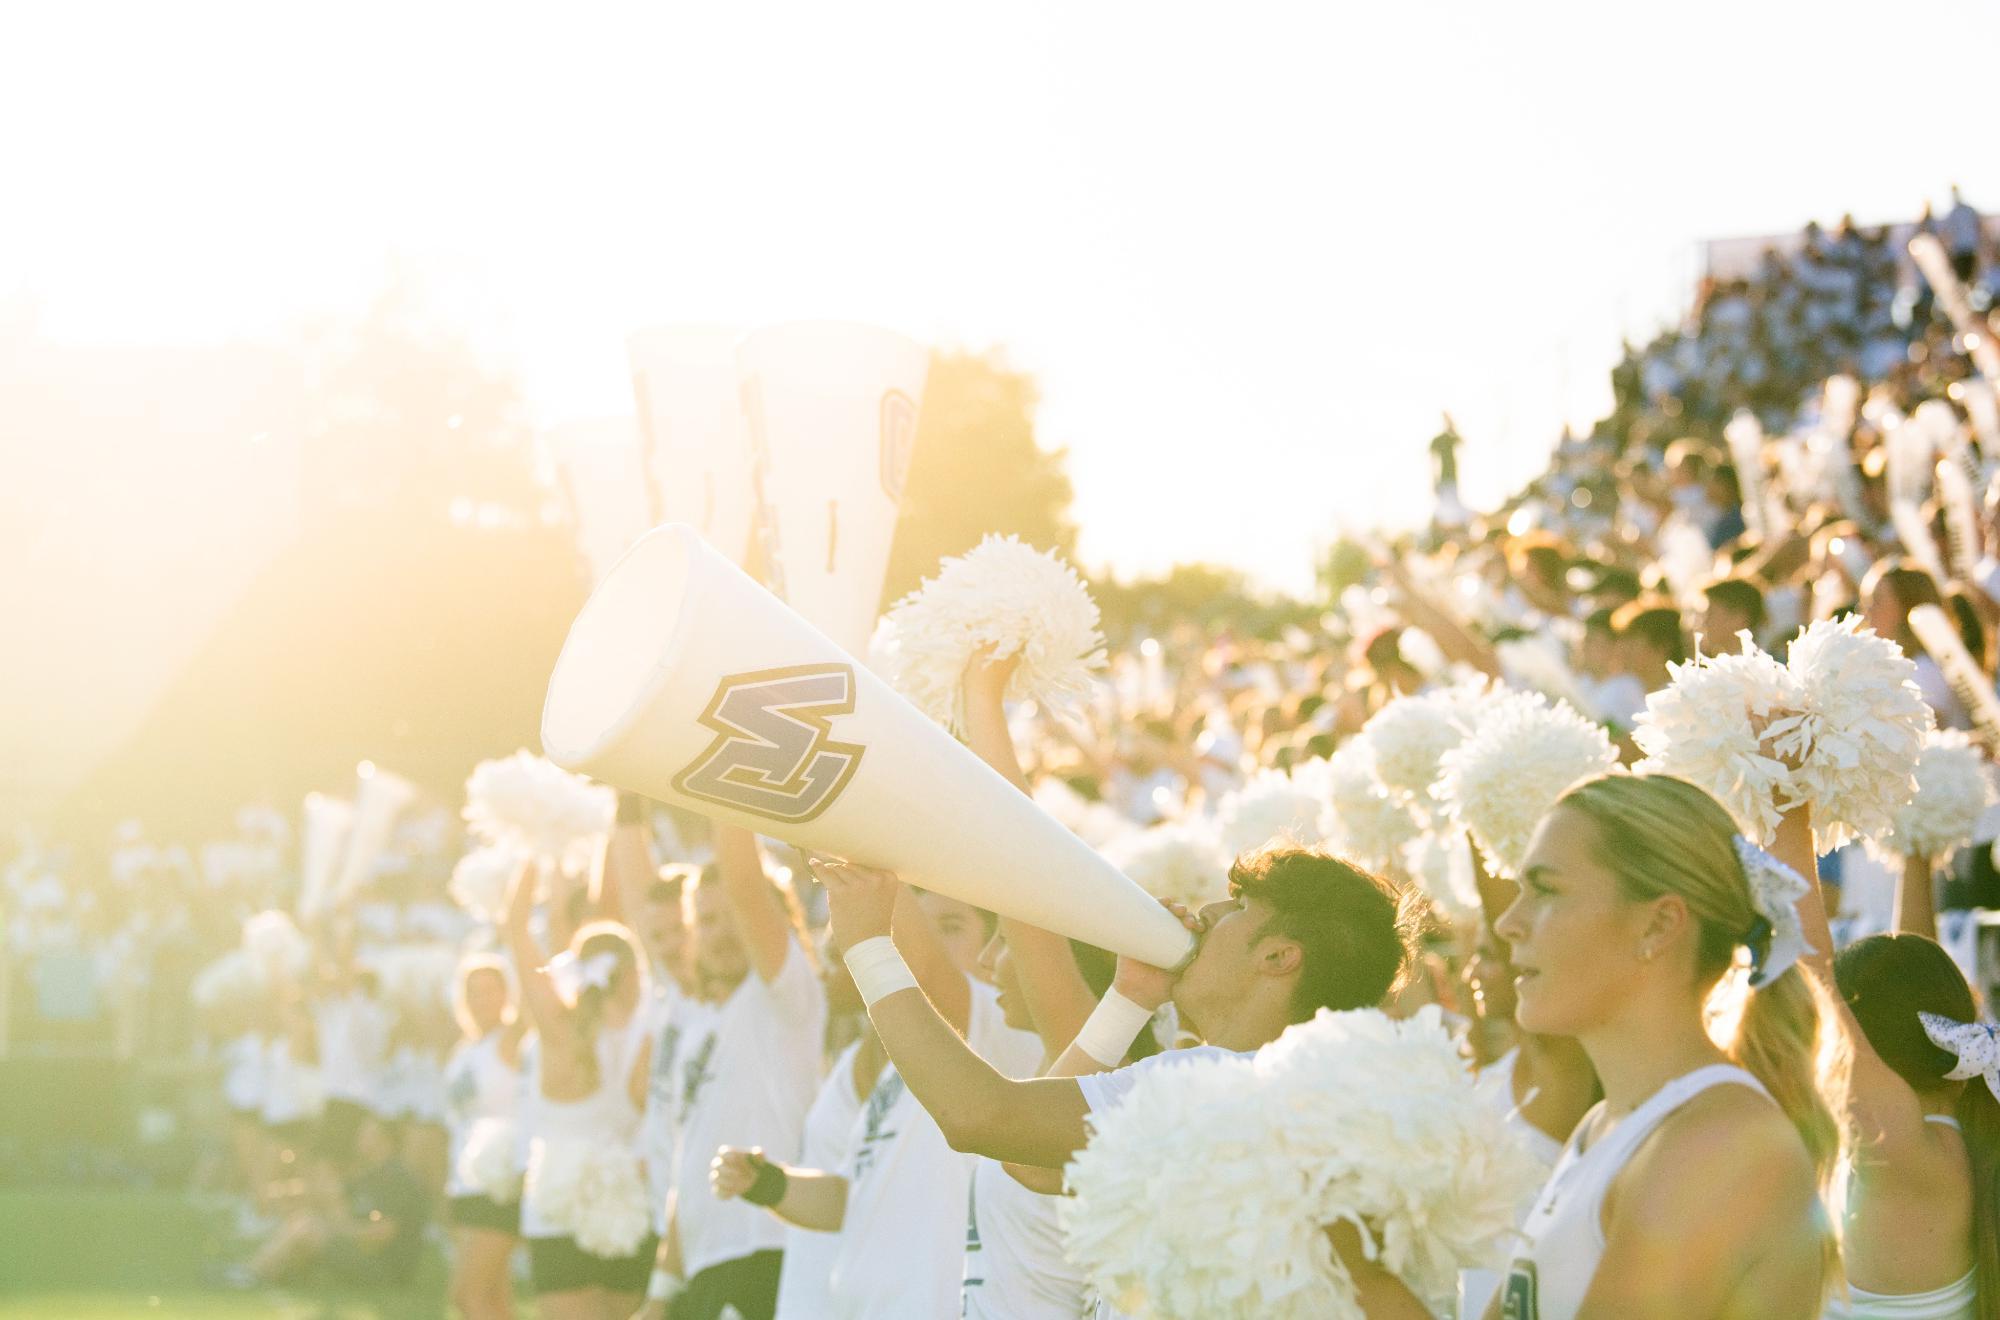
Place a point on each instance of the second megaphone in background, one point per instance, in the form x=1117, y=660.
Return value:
x=687, y=682
x=832, y=411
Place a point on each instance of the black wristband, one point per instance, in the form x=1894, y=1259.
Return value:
x=631, y=809
x=769, y=1189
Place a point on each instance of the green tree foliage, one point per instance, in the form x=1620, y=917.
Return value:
x=1209, y=597
x=414, y=620
x=977, y=469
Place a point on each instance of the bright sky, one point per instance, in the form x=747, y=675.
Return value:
x=1249, y=251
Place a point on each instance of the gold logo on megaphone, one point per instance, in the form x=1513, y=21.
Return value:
x=774, y=755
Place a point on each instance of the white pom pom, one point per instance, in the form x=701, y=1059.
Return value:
x=1180, y=860
x=1439, y=862
x=1185, y=1208
x=1501, y=781
x=274, y=941
x=591, y=1190
x=533, y=804
x=1095, y=823
x=1953, y=792
x=1860, y=732
x=1368, y=825
x=1271, y=808
x=1004, y=595
x=480, y=881
x=1208, y=1190
x=489, y=1160
x=1388, y=1118
x=1715, y=725
x=1411, y=734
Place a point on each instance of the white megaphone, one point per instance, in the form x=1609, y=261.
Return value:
x=322, y=838
x=685, y=681
x=832, y=410
x=604, y=481
x=378, y=800
x=695, y=446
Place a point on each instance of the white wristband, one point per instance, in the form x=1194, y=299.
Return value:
x=878, y=969
x=1111, y=1028
x=664, y=1287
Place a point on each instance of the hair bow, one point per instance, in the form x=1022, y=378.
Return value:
x=1977, y=1045
x=571, y=974
x=1775, y=891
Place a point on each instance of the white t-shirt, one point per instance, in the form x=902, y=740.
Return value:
x=670, y=1014
x=1014, y=1263
x=745, y=1078
x=901, y=1252
x=1104, y=1090
x=802, y=1285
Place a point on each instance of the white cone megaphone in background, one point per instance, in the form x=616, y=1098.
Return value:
x=322, y=839
x=693, y=441
x=378, y=800
x=833, y=409
x=604, y=482
x=685, y=681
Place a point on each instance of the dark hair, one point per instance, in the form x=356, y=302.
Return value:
x=1911, y=586
x=1740, y=595
x=1347, y=922
x=1886, y=981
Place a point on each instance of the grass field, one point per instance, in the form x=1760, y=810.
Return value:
x=94, y=1254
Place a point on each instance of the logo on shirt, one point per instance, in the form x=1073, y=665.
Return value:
x=660, y=1086
x=774, y=755
x=696, y=1075
x=874, y=1129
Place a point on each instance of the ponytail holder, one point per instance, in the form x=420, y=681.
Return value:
x=1976, y=1044
x=1776, y=939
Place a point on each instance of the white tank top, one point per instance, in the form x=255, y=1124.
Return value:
x=478, y=1084
x=1564, y=1233
x=1954, y=1301
x=606, y=1115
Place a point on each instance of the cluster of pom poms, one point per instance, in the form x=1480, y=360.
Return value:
x=1839, y=725
x=1209, y=1190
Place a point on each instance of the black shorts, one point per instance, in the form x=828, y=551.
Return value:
x=748, y=1283
x=557, y=1264
x=487, y=1213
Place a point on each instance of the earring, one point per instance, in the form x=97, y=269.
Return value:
x=1646, y=952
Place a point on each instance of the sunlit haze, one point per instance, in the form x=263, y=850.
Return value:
x=1248, y=263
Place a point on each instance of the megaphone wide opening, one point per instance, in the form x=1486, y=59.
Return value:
x=619, y=647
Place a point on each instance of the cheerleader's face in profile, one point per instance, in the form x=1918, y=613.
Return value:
x=961, y=927
x=997, y=966
x=1575, y=935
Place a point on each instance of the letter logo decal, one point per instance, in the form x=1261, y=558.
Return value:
x=774, y=755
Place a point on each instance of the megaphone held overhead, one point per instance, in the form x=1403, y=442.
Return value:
x=685, y=681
